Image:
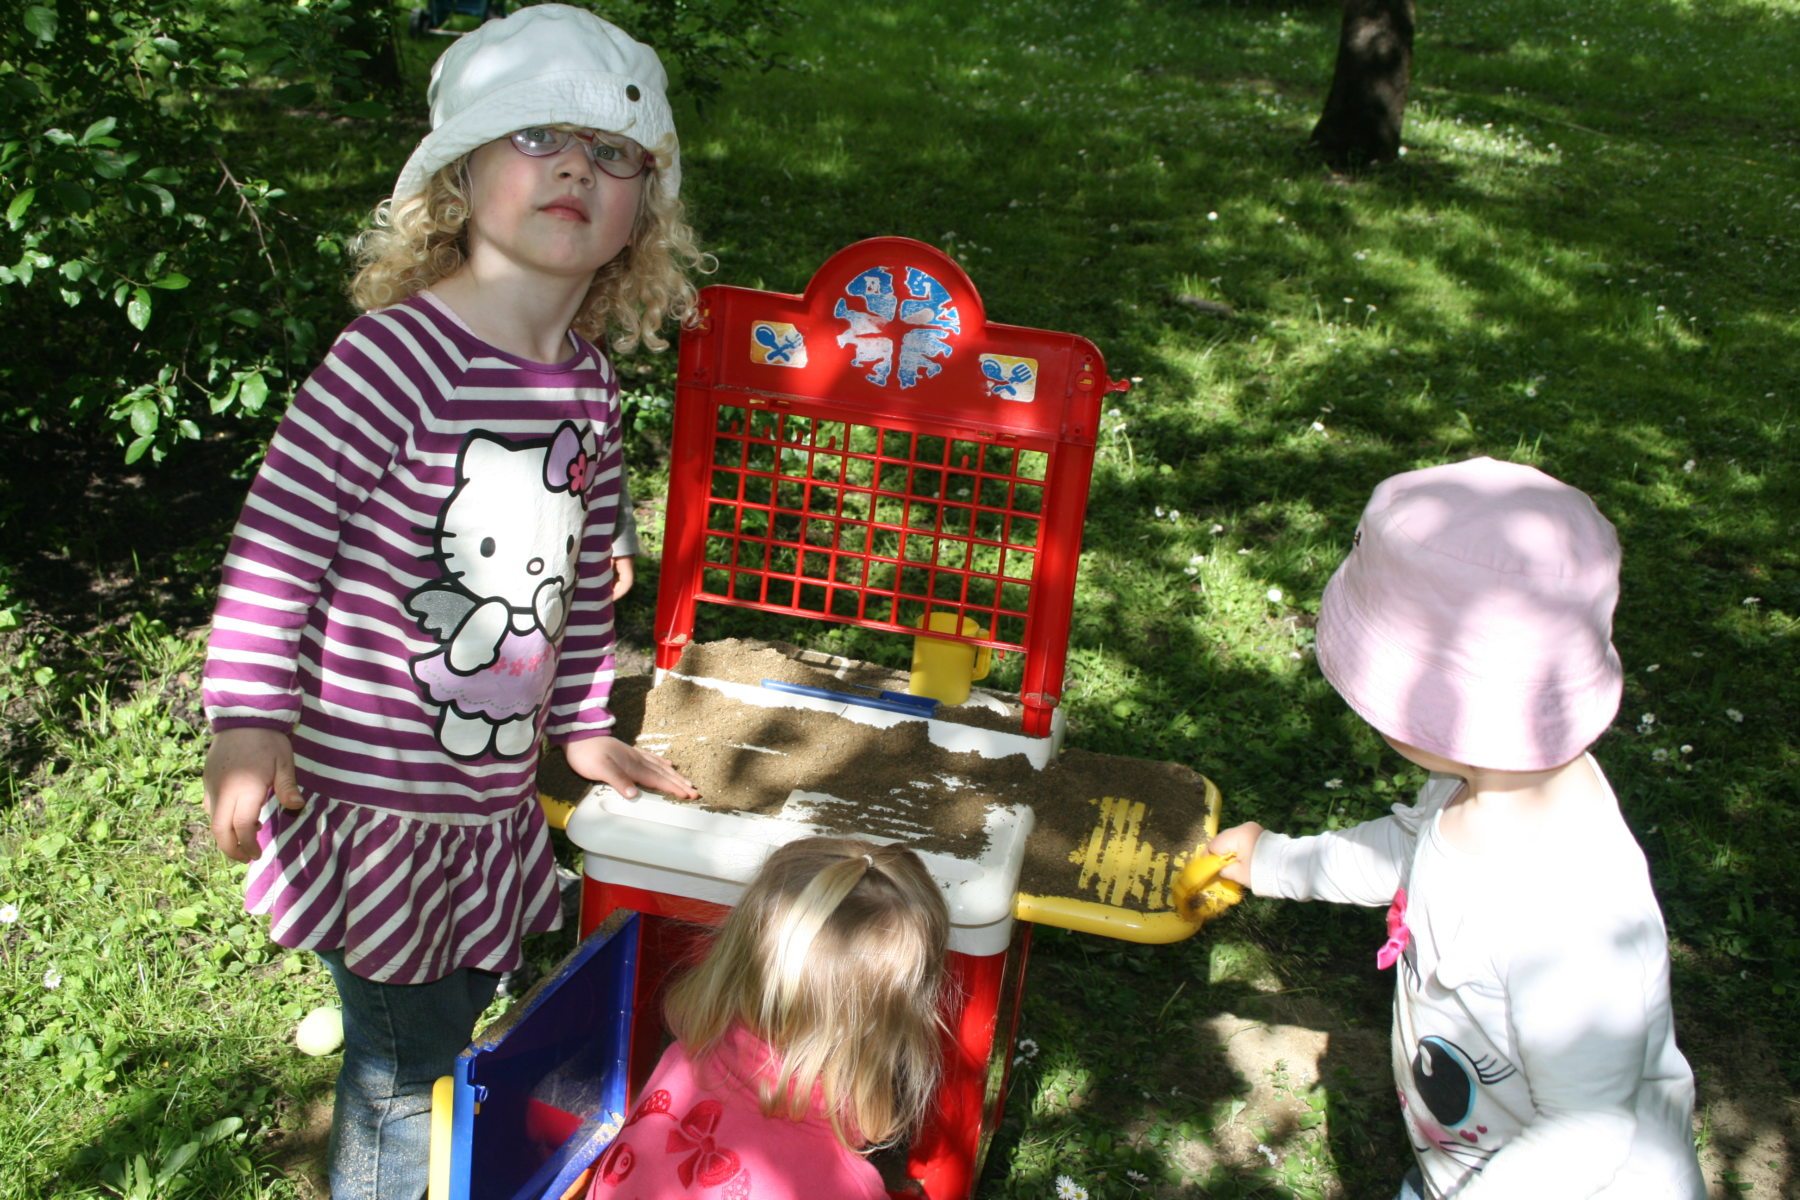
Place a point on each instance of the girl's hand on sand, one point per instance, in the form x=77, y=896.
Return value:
x=626, y=768
x=242, y=767
x=1239, y=843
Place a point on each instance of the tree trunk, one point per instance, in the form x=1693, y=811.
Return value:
x=1361, y=121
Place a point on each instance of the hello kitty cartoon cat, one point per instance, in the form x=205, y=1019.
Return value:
x=506, y=540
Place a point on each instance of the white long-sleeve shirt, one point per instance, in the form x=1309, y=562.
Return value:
x=1533, y=1043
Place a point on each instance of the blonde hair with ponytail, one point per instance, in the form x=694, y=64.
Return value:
x=834, y=958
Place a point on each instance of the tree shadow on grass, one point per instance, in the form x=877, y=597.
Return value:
x=1210, y=1088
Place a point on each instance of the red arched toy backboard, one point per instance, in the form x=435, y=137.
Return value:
x=873, y=452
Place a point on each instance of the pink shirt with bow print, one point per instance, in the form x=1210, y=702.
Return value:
x=701, y=1134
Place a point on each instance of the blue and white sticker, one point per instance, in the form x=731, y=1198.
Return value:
x=777, y=344
x=934, y=320
x=1010, y=378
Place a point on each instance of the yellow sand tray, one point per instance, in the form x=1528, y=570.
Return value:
x=1118, y=850
x=1115, y=847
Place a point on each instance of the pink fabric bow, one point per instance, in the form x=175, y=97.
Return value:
x=1398, y=934
x=710, y=1163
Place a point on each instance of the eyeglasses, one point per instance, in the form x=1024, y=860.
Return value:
x=618, y=156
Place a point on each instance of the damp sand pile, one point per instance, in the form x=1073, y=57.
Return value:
x=895, y=784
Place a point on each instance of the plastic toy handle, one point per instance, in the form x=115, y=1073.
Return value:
x=556, y=812
x=912, y=706
x=1200, y=893
x=1104, y=920
x=443, y=1100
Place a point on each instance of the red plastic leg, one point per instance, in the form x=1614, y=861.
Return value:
x=947, y=1153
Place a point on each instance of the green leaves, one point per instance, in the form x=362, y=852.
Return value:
x=40, y=23
x=21, y=204
x=138, y=311
x=129, y=176
x=99, y=130
x=143, y=417
x=253, y=391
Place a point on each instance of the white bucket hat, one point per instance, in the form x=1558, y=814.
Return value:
x=550, y=64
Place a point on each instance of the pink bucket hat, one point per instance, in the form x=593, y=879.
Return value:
x=1473, y=616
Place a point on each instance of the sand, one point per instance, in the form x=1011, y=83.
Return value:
x=1141, y=817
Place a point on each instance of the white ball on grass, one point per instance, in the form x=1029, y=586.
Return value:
x=321, y=1031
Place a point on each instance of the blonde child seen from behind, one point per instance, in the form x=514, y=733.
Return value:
x=420, y=587
x=1533, y=1044
x=808, y=1035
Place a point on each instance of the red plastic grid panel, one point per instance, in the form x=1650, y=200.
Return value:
x=856, y=522
x=810, y=478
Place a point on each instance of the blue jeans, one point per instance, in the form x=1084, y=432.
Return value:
x=1412, y=1187
x=398, y=1039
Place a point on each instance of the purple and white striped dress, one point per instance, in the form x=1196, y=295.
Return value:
x=419, y=588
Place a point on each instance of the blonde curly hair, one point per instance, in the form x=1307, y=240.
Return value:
x=412, y=244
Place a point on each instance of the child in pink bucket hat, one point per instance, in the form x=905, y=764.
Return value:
x=1533, y=1044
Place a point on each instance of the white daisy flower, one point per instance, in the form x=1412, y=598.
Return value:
x=8, y=913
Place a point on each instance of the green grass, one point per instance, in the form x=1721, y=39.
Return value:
x=1584, y=262
x=140, y=1008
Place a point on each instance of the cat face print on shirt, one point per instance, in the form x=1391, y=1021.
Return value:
x=506, y=545
x=1447, y=1082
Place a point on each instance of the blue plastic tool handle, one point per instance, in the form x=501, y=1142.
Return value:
x=900, y=702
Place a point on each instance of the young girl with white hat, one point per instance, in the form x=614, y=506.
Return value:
x=420, y=586
x=1533, y=1044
